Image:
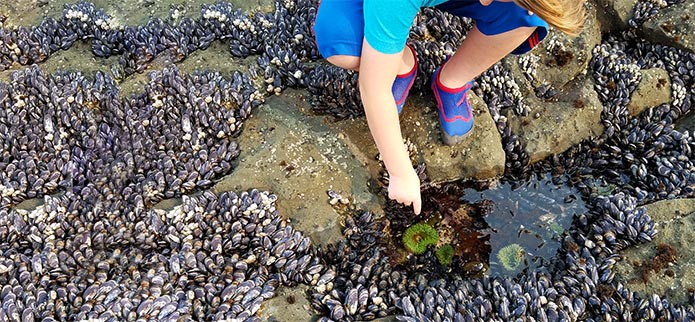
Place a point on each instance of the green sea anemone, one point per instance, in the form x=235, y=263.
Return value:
x=418, y=237
x=445, y=254
x=511, y=256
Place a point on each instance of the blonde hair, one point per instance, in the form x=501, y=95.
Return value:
x=566, y=15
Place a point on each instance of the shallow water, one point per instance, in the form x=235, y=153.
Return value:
x=533, y=215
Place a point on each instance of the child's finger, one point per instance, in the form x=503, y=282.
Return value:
x=417, y=203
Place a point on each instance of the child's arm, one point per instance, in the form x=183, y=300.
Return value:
x=376, y=75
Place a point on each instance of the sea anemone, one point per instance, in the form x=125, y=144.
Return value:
x=511, y=256
x=445, y=254
x=418, y=237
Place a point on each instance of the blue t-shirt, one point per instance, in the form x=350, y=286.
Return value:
x=387, y=22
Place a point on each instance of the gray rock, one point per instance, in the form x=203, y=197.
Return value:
x=673, y=26
x=675, y=222
x=614, y=15
x=554, y=126
x=665, y=211
x=653, y=90
x=288, y=305
x=298, y=157
x=559, y=58
x=479, y=156
x=686, y=123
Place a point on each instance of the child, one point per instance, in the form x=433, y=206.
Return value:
x=369, y=36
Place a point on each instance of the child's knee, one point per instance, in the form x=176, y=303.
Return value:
x=345, y=61
x=339, y=30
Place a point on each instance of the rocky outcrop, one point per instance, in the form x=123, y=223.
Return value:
x=288, y=305
x=479, y=156
x=638, y=271
x=614, y=15
x=299, y=158
x=554, y=126
x=673, y=26
x=559, y=58
x=653, y=90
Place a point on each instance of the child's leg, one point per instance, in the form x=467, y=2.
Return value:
x=345, y=61
x=353, y=62
x=500, y=28
x=478, y=52
x=339, y=32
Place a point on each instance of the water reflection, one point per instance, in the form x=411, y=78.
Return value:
x=533, y=215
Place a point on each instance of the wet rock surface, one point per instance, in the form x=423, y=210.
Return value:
x=554, y=126
x=653, y=90
x=559, y=58
x=289, y=305
x=299, y=157
x=614, y=15
x=673, y=26
x=664, y=266
x=132, y=12
x=479, y=156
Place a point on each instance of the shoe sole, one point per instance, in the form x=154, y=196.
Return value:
x=453, y=140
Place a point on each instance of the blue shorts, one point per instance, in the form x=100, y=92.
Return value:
x=339, y=25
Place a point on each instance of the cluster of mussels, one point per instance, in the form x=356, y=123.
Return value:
x=363, y=280
x=282, y=38
x=97, y=248
x=65, y=131
x=644, y=10
x=211, y=258
x=643, y=156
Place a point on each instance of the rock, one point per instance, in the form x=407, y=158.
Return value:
x=288, y=305
x=614, y=15
x=553, y=127
x=299, y=158
x=673, y=26
x=652, y=91
x=479, y=156
x=675, y=222
x=667, y=210
x=559, y=58
x=686, y=123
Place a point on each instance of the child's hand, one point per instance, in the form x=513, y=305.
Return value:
x=405, y=188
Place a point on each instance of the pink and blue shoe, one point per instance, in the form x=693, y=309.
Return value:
x=455, y=113
x=403, y=83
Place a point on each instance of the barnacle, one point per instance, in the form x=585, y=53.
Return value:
x=418, y=237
